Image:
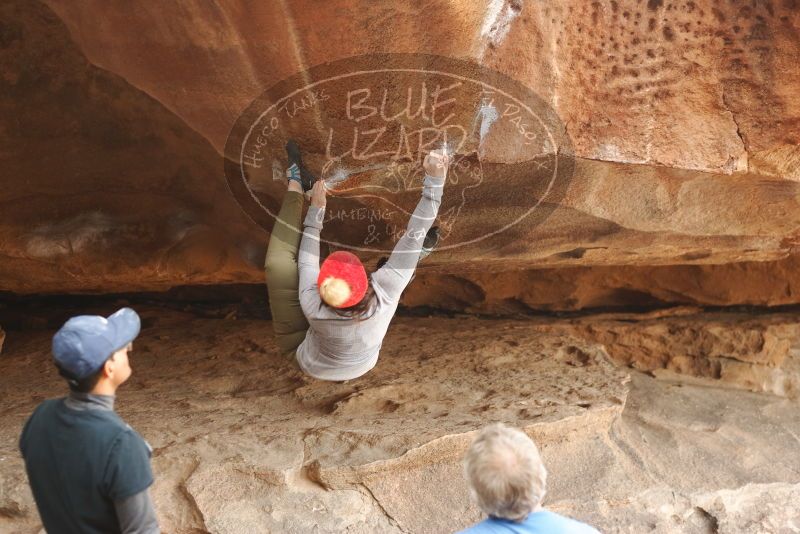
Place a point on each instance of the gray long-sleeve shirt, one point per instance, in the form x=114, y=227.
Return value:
x=343, y=348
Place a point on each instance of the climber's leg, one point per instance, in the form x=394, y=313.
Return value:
x=288, y=321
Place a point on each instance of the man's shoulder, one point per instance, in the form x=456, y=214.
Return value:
x=130, y=446
x=106, y=421
x=548, y=521
x=56, y=412
x=117, y=430
x=541, y=522
x=128, y=433
x=45, y=410
x=48, y=405
x=484, y=527
x=52, y=417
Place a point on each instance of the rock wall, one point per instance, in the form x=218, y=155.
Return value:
x=102, y=187
x=756, y=353
x=684, y=119
x=768, y=283
x=698, y=85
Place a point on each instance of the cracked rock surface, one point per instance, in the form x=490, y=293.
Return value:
x=243, y=442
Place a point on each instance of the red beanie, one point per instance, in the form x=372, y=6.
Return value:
x=342, y=280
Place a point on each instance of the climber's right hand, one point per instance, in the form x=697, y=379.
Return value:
x=318, y=194
x=436, y=163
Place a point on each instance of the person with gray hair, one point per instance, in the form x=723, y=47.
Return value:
x=507, y=480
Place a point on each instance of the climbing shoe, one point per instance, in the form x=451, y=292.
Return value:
x=297, y=171
x=430, y=242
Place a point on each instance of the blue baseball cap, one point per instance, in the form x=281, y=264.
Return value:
x=85, y=342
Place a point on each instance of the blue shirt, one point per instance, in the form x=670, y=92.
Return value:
x=541, y=522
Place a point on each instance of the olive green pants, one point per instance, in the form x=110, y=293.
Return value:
x=288, y=321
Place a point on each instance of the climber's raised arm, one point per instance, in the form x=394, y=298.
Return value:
x=395, y=275
x=308, y=255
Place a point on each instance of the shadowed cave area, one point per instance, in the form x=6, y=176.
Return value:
x=618, y=274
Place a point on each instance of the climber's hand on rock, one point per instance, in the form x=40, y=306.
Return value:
x=318, y=194
x=436, y=163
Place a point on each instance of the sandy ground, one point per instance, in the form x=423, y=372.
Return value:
x=244, y=443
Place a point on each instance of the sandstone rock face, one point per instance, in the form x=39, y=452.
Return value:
x=101, y=185
x=696, y=85
x=683, y=117
x=244, y=443
x=763, y=507
x=759, y=354
x=561, y=289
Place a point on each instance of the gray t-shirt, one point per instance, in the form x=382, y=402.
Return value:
x=343, y=348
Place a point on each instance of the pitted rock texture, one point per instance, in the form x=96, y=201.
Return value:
x=750, y=508
x=112, y=173
x=737, y=349
x=697, y=85
x=244, y=443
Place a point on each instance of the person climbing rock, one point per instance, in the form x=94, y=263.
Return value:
x=332, y=318
x=88, y=470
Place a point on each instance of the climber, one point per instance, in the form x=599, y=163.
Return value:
x=88, y=470
x=507, y=479
x=332, y=319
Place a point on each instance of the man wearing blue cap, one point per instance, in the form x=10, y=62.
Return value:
x=90, y=471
